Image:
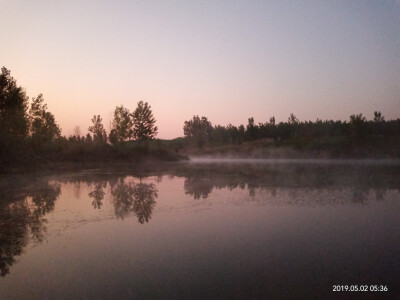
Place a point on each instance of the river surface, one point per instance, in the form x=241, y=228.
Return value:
x=203, y=230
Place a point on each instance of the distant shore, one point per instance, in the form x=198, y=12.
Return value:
x=267, y=149
x=149, y=163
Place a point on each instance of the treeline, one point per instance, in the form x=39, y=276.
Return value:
x=356, y=136
x=30, y=135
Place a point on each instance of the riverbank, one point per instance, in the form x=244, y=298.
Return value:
x=106, y=158
x=66, y=157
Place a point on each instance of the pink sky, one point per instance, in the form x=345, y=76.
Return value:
x=228, y=61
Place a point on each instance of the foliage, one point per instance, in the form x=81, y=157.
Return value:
x=356, y=138
x=198, y=128
x=99, y=133
x=357, y=127
x=252, y=131
x=43, y=127
x=31, y=137
x=121, y=126
x=378, y=117
x=272, y=121
x=143, y=122
x=13, y=108
x=293, y=119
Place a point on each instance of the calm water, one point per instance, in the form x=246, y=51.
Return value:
x=202, y=231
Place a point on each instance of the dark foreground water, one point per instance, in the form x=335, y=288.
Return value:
x=203, y=231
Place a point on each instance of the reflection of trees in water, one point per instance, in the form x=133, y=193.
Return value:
x=295, y=194
x=201, y=179
x=198, y=187
x=380, y=193
x=202, y=187
x=360, y=195
x=15, y=219
x=77, y=189
x=144, y=202
x=127, y=197
x=252, y=191
x=22, y=214
x=122, y=199
x=134, y=198
x=21, y=217
x=43, y=201
x=98, y=194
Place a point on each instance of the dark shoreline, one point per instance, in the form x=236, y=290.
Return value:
x=151, y=162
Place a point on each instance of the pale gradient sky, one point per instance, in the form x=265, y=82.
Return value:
x=226, y=60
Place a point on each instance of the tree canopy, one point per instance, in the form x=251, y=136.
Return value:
x=13, y=108
x=43, y=126
x=143, y=122
x=99, y=133
x=121, y=126
x=198, y=128
x=29, y=133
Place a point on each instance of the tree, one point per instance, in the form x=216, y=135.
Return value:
x=357, y=119
x=293, y=119
x=199, y=129
x=197, y=126
x=251, y=130
x=357, y=126
x=13, y=108
x=233, y=134
x=88, y=139
x=43, y=127
x=272, y=121
x=121, y=125
x=378, y=117
x=143, y=122
x=99, y=133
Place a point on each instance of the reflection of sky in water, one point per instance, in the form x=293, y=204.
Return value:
x=201, y=235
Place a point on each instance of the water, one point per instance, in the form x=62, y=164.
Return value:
x=202, y=231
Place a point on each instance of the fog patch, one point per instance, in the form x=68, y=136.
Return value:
x=301, y=161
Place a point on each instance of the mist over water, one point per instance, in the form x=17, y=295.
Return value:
x=302, y=161
x=205, y=229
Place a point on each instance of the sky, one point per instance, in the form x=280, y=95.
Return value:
x=226, y=60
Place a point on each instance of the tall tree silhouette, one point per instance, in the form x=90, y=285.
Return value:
x=357, y=126
x=143, y=122
x=43, y=126
x=198, y=128
x=378, y=117
x=99, y=133
x=251, y=130
x=293, y=119
x=13, y=108
x=121, y=125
